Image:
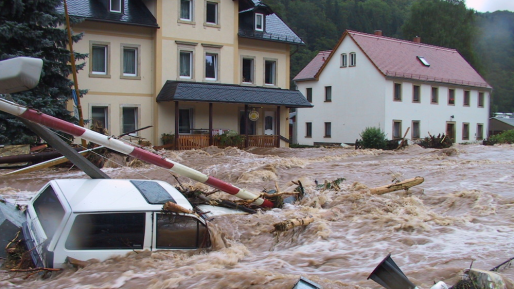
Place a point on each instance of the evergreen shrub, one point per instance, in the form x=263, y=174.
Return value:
x=373, y=138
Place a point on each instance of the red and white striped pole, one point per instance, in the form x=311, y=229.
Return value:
x=119, y=146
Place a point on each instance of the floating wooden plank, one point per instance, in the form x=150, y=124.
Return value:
x=46, y=164
x=405, y=185
x=289, y=224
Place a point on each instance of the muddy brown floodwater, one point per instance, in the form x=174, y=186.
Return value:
x=463, y=212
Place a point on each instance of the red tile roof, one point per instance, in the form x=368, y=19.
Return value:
x=399, y=58
x=309, y=72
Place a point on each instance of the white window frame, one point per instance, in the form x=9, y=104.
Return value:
x=191, y=63
x=137, y=116
x=274, y=76
x=137, y=61
x=191, y=9
x=119, y=5
x=261, y=16
x=344, y=60
x=216, y=16
x=252, y=69
x=216, y=65
x=107, y=56
x=353, y=59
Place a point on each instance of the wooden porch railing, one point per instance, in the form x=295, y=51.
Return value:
x=197, y=141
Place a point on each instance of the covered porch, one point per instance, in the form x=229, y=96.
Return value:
x=196, y=115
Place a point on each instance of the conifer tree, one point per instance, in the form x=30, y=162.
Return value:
x=34, y=28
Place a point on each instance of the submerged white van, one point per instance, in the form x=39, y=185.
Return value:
x=86, y=218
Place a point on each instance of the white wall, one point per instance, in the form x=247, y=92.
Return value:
x=357, y=99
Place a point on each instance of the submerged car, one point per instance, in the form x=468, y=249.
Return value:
x=85, y=219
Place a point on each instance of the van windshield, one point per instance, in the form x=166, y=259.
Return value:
x=49, y=211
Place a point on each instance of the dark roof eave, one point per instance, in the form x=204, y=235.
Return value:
x=117, y=22
x=272, y=40
x=304, y=79
x=238, y=102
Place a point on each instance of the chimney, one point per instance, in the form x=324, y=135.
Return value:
x=378, y=32
x=417, y=39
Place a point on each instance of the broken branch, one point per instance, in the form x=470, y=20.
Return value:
x=405, y=185
x=172, y=207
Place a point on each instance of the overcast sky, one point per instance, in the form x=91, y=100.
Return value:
x=490, y=5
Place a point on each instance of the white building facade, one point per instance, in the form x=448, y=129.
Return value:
x=396, y=85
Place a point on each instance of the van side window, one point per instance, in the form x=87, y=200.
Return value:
x=49, y=211
x=181, y=232
x=107, y=231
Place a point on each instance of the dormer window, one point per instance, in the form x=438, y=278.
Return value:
x=115, y=6
x=259, y=22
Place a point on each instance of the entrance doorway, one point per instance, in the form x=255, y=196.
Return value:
x=269, y=123
x=450, y=130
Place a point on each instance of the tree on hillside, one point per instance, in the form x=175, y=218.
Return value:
x=32, y=28
x=446, y=23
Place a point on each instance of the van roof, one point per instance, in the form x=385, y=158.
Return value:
x=114, y=195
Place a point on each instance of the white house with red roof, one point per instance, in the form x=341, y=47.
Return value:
x=369, y=80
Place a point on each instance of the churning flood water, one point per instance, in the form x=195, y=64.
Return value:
x=463, y=212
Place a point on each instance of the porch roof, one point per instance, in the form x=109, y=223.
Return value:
x=230, y=93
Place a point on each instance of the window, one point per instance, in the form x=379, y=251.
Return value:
x=451, y=96
x=309, y=94
x=186, y=64
x=248, y=70
x=480, y=131
x=466, y=98
x=211, y=66
x=480, y=99
x=99, y=117
x=129, y=119
x=186, y=10
x=328, y=93
x=270, y=71
x=435, y=95
x=353, y=59
x=415, y=129
x=308, y=129
x=423, y=61
x=416, y=93
x=180, y=232
x=99, y=59
x=116, y=6
x=259, y=22
x=130, y=61
x=49, y=211
x=397, y=92
x=465, y=131
x=344, y=60
x=211, y=16
x=107, y=231
x=328, y=129
x=397, y=129
x=185, y=120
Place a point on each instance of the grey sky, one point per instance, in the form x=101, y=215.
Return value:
x=490, y=5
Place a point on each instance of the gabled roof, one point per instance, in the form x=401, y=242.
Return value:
x=399, y=59
x=135, y=12
x=310, y=71
x=276, y=28
x=229, y=93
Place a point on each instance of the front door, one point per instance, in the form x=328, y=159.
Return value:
x=269, y=123
x=450, y=130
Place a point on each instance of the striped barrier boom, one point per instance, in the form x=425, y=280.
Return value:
x=124, y=148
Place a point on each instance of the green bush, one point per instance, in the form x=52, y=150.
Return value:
x=504, y=137
x=373, y=138
x=167, y=138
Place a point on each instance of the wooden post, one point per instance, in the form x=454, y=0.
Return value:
x=211, y=137
x=289, y=224
x=74, y=70
x=277, y=137
x=405, y=185
x=176, y=125
x=247, y=126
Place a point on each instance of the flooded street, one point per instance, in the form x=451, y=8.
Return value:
x=462, y=213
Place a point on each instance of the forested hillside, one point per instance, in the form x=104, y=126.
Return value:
x=486, y=40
